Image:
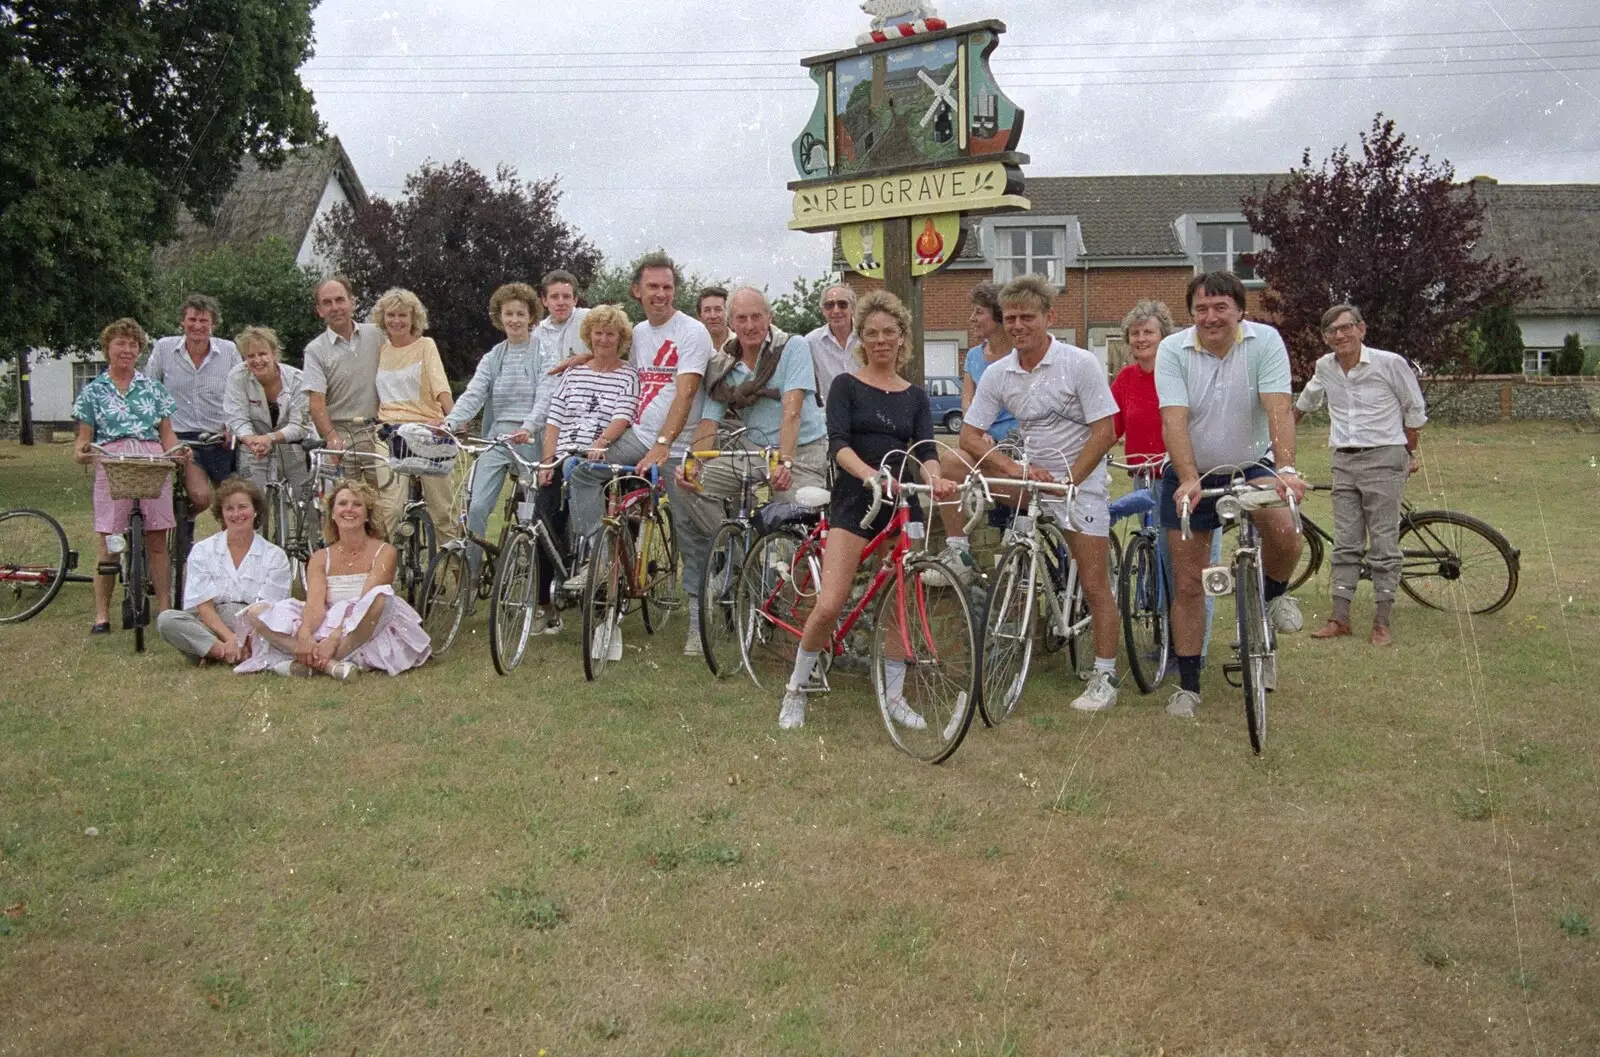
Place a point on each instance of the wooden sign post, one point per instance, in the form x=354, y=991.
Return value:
x=909, y=134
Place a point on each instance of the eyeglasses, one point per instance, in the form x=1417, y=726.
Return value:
x=1341, y=329
x=836, y=304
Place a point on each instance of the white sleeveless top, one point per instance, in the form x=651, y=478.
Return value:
x=345, y=587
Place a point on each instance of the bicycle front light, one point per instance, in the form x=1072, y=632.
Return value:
x=1217, y=580
x=1228, y=507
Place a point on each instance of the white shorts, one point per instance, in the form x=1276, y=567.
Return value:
x=1091, y=514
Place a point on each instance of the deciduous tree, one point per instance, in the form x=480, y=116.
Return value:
x=258, y=286
x=800, y=310
x=452, y=237
x=613, y=286
x=1391, y=232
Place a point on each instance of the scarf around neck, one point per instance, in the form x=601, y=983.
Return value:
x=738, y=396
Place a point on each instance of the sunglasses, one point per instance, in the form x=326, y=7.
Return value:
x=836, y=304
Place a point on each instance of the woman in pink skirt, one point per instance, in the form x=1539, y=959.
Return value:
x=351, y=618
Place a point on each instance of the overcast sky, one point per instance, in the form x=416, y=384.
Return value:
x=669, y=123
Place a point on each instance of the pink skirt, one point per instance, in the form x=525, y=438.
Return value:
x=111, y=515
x=397, y=645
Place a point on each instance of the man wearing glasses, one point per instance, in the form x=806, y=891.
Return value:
x=833, y=345
x=1375, y=412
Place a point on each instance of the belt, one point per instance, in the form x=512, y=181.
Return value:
x=1358, y=451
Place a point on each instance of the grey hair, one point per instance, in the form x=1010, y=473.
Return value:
x=1338, y=310
x=850, y=295
x=747, y=289
x=1148, y=309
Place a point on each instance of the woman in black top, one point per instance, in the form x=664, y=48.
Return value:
x=871, y=414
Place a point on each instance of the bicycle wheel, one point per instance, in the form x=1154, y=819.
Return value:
x=445, y=592
x=33, y=563
x=1057, y=562
x=663, y=594
x=777, y=587
x=1142, y=600
x=1007, y=634
x=1255, y=648
x=135, y=578
x=511, y=605
x=1456, y=563
x=926, y=669
x=1312, y=551
x=601, y=640
x=180, y=543
x=719, y=586
x=417, y=550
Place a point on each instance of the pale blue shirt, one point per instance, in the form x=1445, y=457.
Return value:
x=1227, y=424
x=764, y=418
x=198, y=391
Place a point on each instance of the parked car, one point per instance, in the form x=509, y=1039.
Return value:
x=944, y=393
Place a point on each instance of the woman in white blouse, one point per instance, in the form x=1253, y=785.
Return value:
x=266, y=406
x=227, y=573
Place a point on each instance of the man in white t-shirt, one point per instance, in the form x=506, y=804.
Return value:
x=670, y=352
x=1065, y=413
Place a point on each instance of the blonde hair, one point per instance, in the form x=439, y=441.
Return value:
x=513, y=292
x=885, y=302
x=396, y=298
x=1029, y=288
x=369, y=499
x=259, y=336
x=607, y=317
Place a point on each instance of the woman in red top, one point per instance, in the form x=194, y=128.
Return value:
x=1138, y=418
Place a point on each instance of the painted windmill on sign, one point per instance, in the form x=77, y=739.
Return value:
x=909, y=133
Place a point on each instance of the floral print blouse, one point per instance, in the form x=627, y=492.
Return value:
x=115, y=415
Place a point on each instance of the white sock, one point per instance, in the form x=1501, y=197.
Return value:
x=693, y=602
x=1108, y=665
x=894, y=679
x=958, y=543
x=804, y=662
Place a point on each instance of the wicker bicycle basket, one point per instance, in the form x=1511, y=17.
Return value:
x=137, y=478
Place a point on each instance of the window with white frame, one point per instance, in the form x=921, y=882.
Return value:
x=84, y=373
x=1029, y=251
x=1221, y=246
x=1537, y=361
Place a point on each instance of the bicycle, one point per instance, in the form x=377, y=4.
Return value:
x=181, y=538
x=449, y=588
x=1449, y=561
x=413, y=535
x=635, y=560
x=1033, y=550
x=134, y=476
x=34, y=562
x=730, y=544
x=1143, y=596
x=926, y=628
x=525, y=542
x=290, y=516
x=1255, y=651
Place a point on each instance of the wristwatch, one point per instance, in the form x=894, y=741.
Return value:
x=662, y=440
x=1288, y=469
x=787, y=464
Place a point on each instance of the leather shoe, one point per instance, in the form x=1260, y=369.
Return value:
x=1381, y=636
x=100, y=628
x=1331, y=630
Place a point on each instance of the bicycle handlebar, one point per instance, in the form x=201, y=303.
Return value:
x=1244, y=497
x=883, y=482
x=614, y=468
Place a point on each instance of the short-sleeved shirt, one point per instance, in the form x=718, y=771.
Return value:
x=345, y=372
x=764, y=418
x=197, y=392
x=410, y=382
x=1055, y=405
x=211, y=576
x=115, y=415
x=1138, y=413
x=681, y=345
x=1227, y=424
x=977, y=362
x=830, y=359
x=587, y=401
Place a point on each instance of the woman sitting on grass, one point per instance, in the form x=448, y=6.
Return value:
x=351, y=618
x=227, y=573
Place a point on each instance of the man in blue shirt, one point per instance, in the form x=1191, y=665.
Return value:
x=765, y=380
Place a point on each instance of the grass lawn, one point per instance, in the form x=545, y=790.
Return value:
x=451, y=862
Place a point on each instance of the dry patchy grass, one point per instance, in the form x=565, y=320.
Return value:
x=450, y=862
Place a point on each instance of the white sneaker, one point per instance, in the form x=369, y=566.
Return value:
x=541, y=620
x=284, y=668
x=1183, y=703
x=792, y=715
x=1100, y=694
x=1284, y=612
x=958, y=568
x=554, y=626
x=343, y=671
x=901, y=713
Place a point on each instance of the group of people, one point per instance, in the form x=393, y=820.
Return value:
x=1198, y=403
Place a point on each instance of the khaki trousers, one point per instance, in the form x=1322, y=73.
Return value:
x=1367, y=489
